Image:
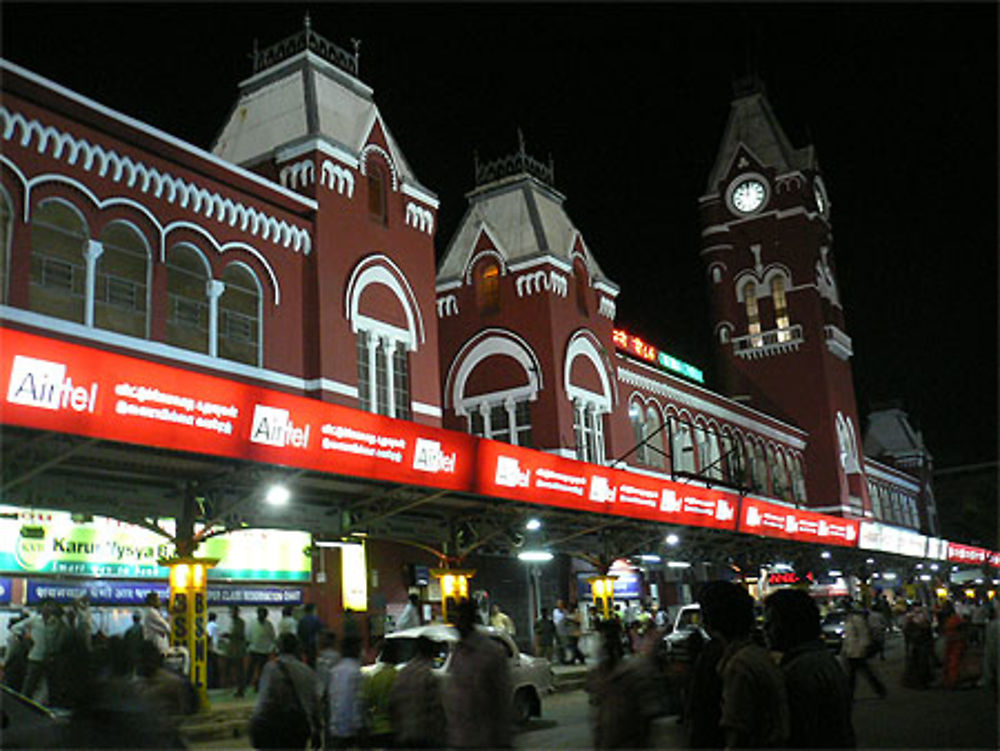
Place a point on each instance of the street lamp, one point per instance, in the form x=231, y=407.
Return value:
x=533, y=525
x=673, y=539
x=278, y=495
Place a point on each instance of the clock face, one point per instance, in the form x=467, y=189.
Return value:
x=748, y=196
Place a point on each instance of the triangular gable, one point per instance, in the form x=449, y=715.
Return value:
x=485, y=239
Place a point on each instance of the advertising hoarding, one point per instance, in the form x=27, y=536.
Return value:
x=958, y=553
x=889, y=539
x=774, y=520
x=37, y=541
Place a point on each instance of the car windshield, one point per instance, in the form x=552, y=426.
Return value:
x=402, y=649
x=835, y=618
x=689, y=619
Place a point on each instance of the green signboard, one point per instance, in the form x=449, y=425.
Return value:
x=35, y=541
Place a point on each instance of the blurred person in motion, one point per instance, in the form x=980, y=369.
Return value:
x=952, y=627
x=287, y=624
x=562, y=630
x=477, y=695
x=918, y=640
x=621, y=713
x=991, y=650
x=501, y=621
x=754, y=703
x=702, y=709
x=415, y=707
x=163, y=688
x=133, y=641
x=573, y=633
x=309, y=628
x=155, y=628
x=326, y=660
x=236, y=652
x=260, y=644
x=346, y=720
x=819, y=699
x=545, y=635
x=877, y=627
x=212, y=631
x=857, y=647
x=410, y=617
x=15, y=664
x=376, y=686
x=287, y=712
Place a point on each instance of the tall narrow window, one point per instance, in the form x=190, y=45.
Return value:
x=381, y=378
x=58, y=271
x=654, y=439
x=682, y=452
x=588, y=428
x=364, y=377
x=639, y=429
x=377, y=200
x=580, y=283
x=383, y=375
x=401, y=381
x=239, y=316
x=187, y=299
x=5, y=233
x=120, y=294
x=780, y=308
x=488, y=288
x=504, y=420
x=522, y=424
x=753, y=314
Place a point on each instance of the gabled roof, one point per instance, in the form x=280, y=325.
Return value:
x=524, y=217
x=889, y=434
x=299, y=99
x=753, y=124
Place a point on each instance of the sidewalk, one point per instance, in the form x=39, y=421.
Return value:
x=228, y=716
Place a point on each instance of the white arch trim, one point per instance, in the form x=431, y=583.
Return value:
x=582, y=344
x=379, y=269
x=499, y=344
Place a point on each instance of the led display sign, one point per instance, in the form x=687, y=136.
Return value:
x=774, y=520
x=785, y=578
x=633, y=345
x=35, y=541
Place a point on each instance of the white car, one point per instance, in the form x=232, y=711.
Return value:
x=530, y=677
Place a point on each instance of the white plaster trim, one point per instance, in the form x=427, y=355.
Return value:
x=321, y=145
x=607, y=308
x=159, y=134
x=831, y=509
x=608, y=288
x=486, y=344
x=376, y=269
x=465, y=405
x=419, y=218
x=448, y=286
x=420, y=194
x=887, y=474
x=581, y=344
x=540, y=281
x=719, y=246
x=563, y=452
x=638, y=380
x=304, y=172
x=447, y=306
x=146, y=348
x=338, y=178
x=474, y=259
x=540, y=260
x=138, y=176
x=419, y=408
x=374, y=148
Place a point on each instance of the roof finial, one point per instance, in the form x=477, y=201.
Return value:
x=357, y=55
x=520, y=142
x=308, y=23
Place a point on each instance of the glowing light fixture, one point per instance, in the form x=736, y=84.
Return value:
x=925, y=577
x=825, y=554
x=649, y=558
x=535, y=556
x=889, y=575
x=673, y=539
x=533, y=525
x=278, y=495
x=678, y=564
x=834, y=574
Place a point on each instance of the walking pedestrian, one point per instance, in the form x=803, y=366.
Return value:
x=133, y=640
x=819, y=700
x=212, y=631
x=286, y=714
x=877, y=627
x=415, y=704
x=545, y=635
x=15, y=663
x=345, y=725
x=573, y=633
x=477, y=692
x=501, y=621
x=32, y=629
x=309, y=629
x=754, y=703
x=562, y=630
x=287, y=624
x=260, y=645
x=236, y=651
x=155, y=628
x=953, y=630
x=410, y=617
x=918, y=642
x=990, y=652
x=376, y=688
x=856, y=649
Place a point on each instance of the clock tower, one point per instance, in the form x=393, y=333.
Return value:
x=780, y=339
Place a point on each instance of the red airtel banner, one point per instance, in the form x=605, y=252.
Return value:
x=958, y=553
x=774, y=520
x=534, y=476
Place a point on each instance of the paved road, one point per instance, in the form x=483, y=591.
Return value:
x=906, y=719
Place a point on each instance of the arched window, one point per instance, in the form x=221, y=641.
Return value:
x=121, y=298
x=780, y=308
x=588, y=430
x=682, y=453
x=779, y=478
x=488, y=288
x=6, y=229
x=753, y=314
x=187, y=299
x=580, y=286
x=378, y=204
x=639, y=429
x=59, y=238
x=239, y=316
x=654, y=439
x=759, y=469
x=798, y=480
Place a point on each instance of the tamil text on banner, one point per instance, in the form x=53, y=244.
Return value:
x=774, y=520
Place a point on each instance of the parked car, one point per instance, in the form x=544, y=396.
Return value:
x=687, y=625
x=530, y=677
x=832, y=629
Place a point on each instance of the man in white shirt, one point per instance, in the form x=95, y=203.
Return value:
x=212, y=630
x=155, y=628
x=410, y=617
x=346, y=711
x=34, y=627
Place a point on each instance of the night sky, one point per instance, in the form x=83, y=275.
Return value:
x=900, y=101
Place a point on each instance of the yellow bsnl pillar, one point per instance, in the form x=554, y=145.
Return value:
x=454, y=587
x=189, y=617
x=602, y=590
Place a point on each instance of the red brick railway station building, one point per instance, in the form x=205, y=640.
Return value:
x=182, y=328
